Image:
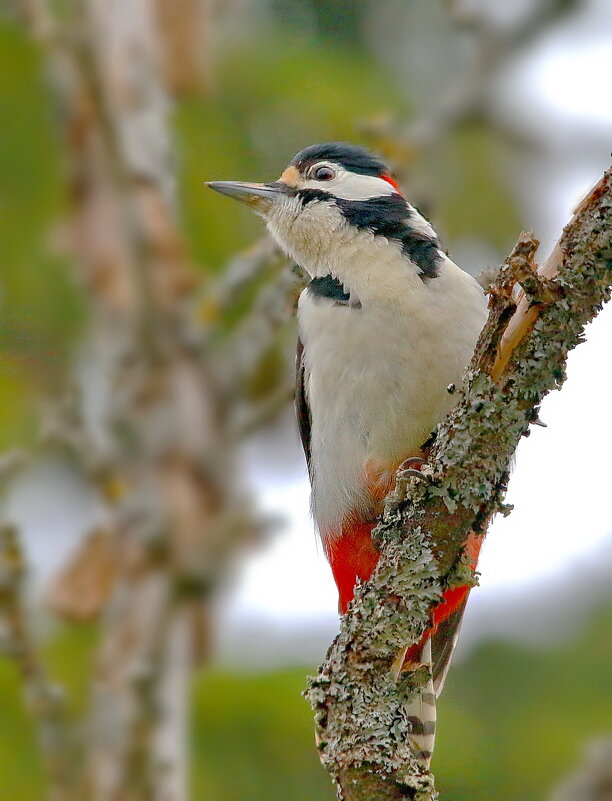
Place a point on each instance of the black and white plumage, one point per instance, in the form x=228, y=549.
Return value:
x=376, y=366
x=386, y=324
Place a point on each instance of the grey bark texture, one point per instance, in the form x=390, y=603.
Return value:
x=359, y=701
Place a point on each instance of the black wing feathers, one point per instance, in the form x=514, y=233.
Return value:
x=302, y=410
x=443, y=644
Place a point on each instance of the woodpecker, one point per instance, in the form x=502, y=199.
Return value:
x=386, y=325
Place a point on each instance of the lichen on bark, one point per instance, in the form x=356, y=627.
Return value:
x=359, y=700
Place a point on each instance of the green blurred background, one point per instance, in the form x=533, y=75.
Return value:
x=512, y=723
x=282, y=75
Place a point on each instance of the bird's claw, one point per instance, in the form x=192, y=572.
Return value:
x=405, y=470
x=408, y=473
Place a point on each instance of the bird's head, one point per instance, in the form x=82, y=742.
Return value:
x=329, y=196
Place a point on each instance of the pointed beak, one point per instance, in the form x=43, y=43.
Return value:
x=260, y=197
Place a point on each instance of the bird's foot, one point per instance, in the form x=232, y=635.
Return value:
x=413, y=466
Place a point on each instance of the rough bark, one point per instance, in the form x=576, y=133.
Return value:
x=521, y=354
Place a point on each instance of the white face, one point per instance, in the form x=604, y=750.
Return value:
x=306, y=230
x=327, y=216
x=306, y=233
x=333, y=178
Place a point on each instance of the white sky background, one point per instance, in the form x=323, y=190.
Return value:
x=562, y=483
x=283, y=604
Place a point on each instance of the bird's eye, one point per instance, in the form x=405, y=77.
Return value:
x=323, y=173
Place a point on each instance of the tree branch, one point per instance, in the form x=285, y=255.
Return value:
x=362, y=729
x=45, y=700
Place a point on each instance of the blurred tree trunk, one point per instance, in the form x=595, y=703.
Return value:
x=144, y=418
x=186, y=44
x=592, y=779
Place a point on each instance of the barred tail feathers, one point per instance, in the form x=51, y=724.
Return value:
x=421, y=713
x=353, y=556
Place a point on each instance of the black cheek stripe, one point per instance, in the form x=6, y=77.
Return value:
x=389, y=216
x=309, y=195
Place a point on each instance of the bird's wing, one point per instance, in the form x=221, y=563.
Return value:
x=443, y=644
x=302, y=409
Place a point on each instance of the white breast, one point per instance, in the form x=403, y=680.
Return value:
x=377, y=376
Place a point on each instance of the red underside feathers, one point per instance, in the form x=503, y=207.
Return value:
x=353, y=556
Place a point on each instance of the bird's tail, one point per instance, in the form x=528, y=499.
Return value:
x=353, y=556
x=421, y=711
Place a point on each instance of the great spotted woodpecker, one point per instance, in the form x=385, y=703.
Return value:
x=387, y=323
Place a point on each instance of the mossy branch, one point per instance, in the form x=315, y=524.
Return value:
x=359, y=701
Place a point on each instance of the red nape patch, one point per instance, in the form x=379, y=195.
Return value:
x=386, y=177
